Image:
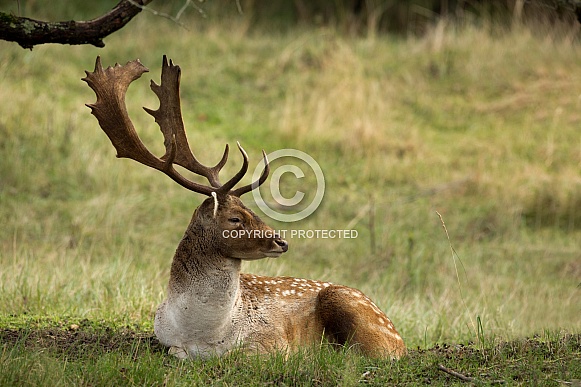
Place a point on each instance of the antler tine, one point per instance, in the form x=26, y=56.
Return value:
x=227, y=187
x=110, y=86
x=169, y=119
x=247, y=188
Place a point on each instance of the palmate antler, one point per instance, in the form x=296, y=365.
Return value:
x=111, y=84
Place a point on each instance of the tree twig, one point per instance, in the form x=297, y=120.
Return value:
x=456, y=374
x=30, y=32
x=466, y=378
x=176, y=18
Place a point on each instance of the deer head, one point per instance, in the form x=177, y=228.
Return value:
x=229, y=227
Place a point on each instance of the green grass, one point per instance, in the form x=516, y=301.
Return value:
x=90, y=353
x=478, y=124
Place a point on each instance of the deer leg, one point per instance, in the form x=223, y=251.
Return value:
x=178, y=352
x=351, y=318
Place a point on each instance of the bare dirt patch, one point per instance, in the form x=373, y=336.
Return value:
x=75, y=342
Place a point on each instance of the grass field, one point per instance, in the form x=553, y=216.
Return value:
x=478, y=124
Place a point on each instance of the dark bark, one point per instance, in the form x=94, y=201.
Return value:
x=29, y=32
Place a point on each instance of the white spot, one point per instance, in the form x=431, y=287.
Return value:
x=396, y=335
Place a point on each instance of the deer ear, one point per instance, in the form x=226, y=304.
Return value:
x=215, y=212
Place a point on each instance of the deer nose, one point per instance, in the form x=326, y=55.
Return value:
x=282, y=243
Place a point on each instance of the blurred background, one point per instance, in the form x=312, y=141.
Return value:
x=420, y=113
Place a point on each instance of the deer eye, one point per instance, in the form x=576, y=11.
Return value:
x=234, y=220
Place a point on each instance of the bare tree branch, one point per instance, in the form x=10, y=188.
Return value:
x=30, y=32
x=176, y=18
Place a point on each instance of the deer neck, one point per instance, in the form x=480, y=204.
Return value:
x=202, y=277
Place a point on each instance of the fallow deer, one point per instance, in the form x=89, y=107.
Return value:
x=211, y=307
